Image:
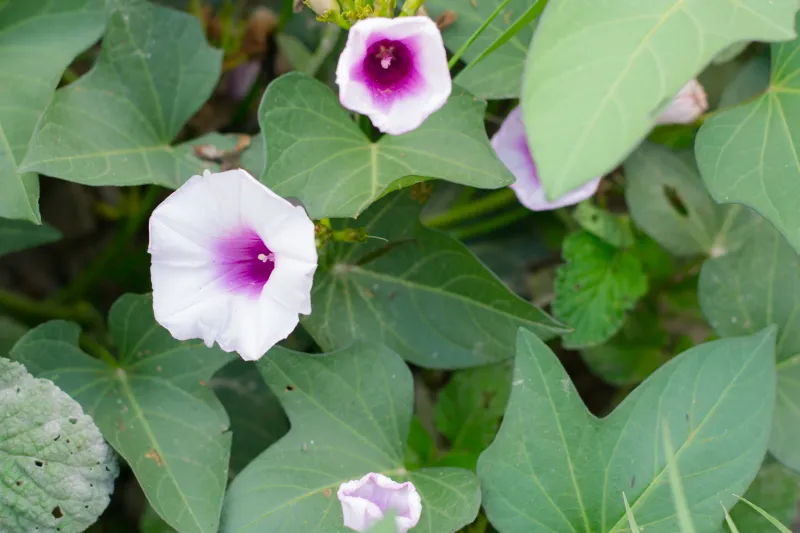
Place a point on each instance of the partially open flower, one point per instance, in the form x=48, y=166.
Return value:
x=511, y=146
x=232, y=262
x=394, y=71
x=686, y=106
x=365, y=501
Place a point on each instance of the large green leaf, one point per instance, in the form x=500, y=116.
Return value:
x=56, y=472
x=18, y=235
x=776, y=489
x=350, y=412
x=599, y=73
x=114, y=126
x=748, y=290
x=595, y=288
x=500, y=74
x=419, y=292
x=669, y=202
x=257, y=419
x=749, y=154
x=555, y=467
x=153, y=407
x=38, y=39
x=316, y=153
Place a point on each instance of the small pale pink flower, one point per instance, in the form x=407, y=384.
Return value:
x=394, y=71
x=511, y=146
x=366, y=501
x=232, y=262
x=686, y=106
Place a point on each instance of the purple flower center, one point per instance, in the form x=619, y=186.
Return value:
x=389, y=70
x=244, y=262
x=388, y=64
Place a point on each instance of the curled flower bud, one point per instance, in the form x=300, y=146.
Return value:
x=686, y=106
x=232, y=262
x=394, y=71
x=511, y=146
x=365, y=501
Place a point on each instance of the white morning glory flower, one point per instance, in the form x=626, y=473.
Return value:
x=394, y=71
x=686, y=106
x=511, y=146
x=232, y=262
x=365, y=501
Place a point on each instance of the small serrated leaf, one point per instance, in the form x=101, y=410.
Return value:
x=595, y=288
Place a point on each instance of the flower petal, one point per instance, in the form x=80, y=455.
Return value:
x=510, y=143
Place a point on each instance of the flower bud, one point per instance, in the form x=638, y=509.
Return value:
x=510, y=143
x=322, y=7
x=687, y=106
x=366, y=501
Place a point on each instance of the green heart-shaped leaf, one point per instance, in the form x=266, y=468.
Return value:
x=38, y=40
x=316, y=153
x=114, y=126
x=153, y=407
x=555, y=467
x=350, y=412
x=418, y=291
x=749, y=154
x=585, y=112
x=669, y=202
x=745, y=291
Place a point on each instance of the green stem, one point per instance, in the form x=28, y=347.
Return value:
x=474, y=36
x=491, y=202
x=488, y=226
x=18, y=304
x=330, y=35
x=92, y=347
x=84, y=281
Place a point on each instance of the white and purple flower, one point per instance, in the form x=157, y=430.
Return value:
x=232, y=262
x=511, y=146
x=687, y=106
x=366, y=501
x=394, y=71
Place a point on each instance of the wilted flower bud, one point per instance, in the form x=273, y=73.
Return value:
x=686, y=106
x=394, y=71
x=365, y=501
x=511, y=146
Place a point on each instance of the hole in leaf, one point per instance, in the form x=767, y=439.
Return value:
x=38, y=463
x=289, y=388
x=57, y=513
x=19, y=483
x=73, y=421
x=675, y=201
